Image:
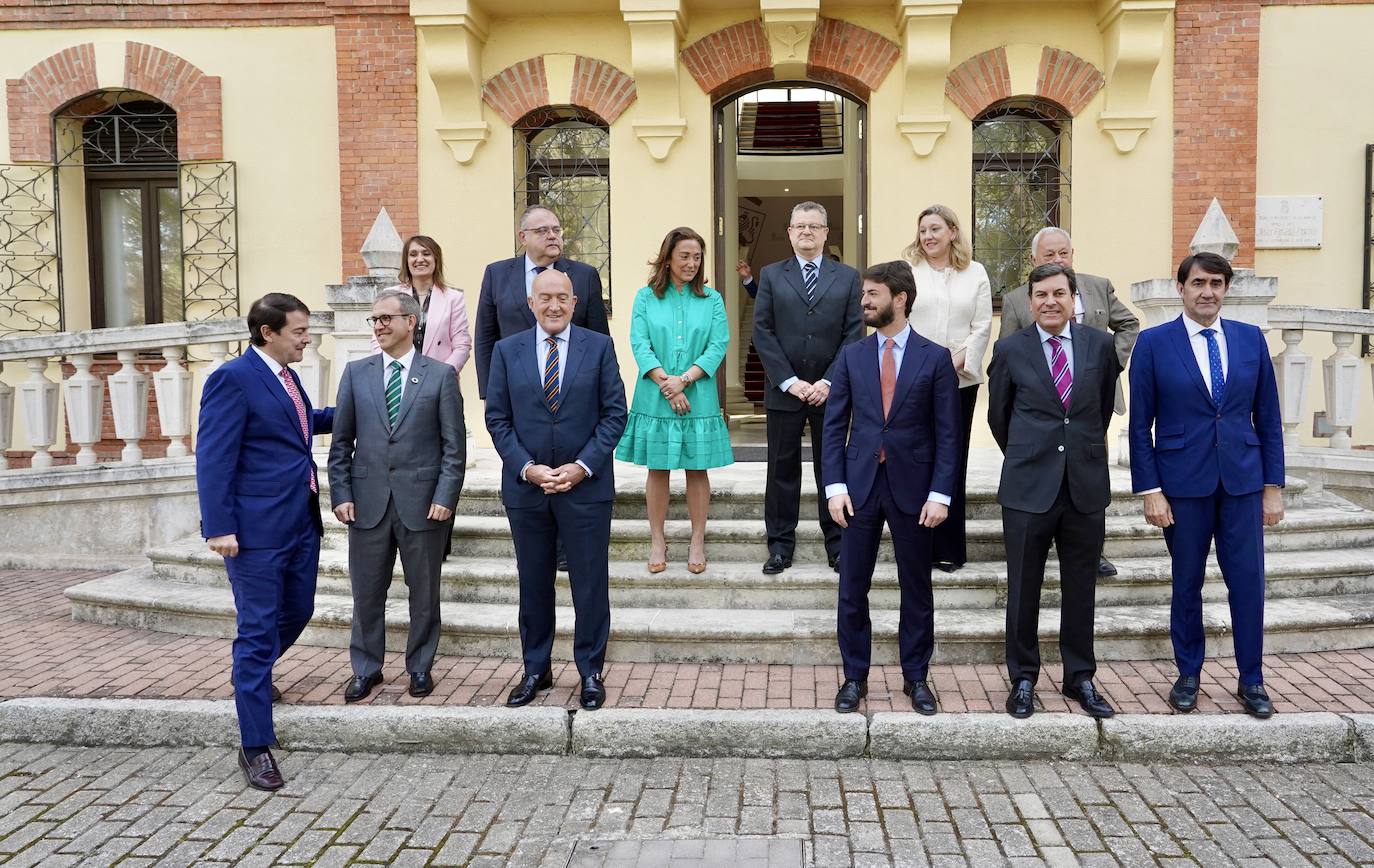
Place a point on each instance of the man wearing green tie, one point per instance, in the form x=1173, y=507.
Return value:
x=395, y=472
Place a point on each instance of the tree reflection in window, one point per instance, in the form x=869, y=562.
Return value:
x=563, y=161
x=1020, y=184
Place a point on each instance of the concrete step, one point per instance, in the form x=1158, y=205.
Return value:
x=1331, y=526
x=979, y=585
x=138, y=598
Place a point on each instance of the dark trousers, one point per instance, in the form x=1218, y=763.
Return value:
x=948, y=545
x=858, y=555
x=371, y=561
x=782, y=495
x=274, y=597
x=1236, y=523
x=585, y=530
x=1077, y=536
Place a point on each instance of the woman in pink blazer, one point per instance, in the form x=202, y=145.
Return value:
x=442, y=332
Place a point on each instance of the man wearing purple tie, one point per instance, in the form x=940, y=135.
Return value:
x=1051, y=390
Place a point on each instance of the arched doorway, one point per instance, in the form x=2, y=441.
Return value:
x=778, y=144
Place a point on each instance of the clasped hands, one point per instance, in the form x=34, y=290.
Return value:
x=555, y=480
x=346, y=513
x=671, y=388
x=811, y=393
x=842, y=509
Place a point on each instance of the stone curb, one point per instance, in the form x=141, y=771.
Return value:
x=608, y=733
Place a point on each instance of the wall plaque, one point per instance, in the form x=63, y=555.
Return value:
x=1288, y=221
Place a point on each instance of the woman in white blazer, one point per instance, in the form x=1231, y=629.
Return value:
x=953, y=307
x=442, y=332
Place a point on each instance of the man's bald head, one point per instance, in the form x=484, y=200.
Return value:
x=552, y=300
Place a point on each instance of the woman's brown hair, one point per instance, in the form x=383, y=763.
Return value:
x=960, y=254
x=433, y=247
x=660, y=272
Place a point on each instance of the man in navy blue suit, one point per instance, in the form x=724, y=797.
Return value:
x=890, y=454
x=1207, y=455
x=259, y=508
x=503, y=307
x=556, y=410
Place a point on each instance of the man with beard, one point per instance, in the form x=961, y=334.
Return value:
x=890, y=454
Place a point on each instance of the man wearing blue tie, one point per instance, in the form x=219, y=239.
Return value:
x=1207, y=456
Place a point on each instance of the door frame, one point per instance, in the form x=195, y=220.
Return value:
x=149, y=182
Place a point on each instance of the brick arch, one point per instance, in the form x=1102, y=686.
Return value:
x=518, y=89
x=1067, y=79
x=49, y=85
x=979, y=82
x=850, y=57
x=730, y=59
x=984, y=79
x=600, y=88
x=182, y=85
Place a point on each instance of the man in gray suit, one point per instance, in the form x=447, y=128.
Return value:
x=1095, y=306
x=395, y=472
x=807, y=308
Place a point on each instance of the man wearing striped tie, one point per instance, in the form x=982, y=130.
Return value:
x=395, y=472
x=1051, y=391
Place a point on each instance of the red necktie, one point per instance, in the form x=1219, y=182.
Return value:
x=889, y=383
x=290, y=383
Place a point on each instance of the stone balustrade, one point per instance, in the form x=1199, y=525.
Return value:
x=41, y=401
x=1340, y=370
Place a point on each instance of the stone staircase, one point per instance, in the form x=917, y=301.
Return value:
x=1320, y=566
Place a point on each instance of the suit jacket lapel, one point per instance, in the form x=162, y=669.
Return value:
x=375, y=386
x=517, y=289
x=824, y=280
x=1038, y=362
x=1080, y=358
x=419, y=367
x=794, y=279
x=1178, y=332
x=868, y=374
x=278, y=391
x=530, y=350
x=577, y=351
x=907, y=372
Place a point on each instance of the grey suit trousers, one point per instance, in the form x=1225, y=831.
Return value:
x=371, y=560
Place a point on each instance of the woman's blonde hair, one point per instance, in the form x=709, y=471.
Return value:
x=960, y=253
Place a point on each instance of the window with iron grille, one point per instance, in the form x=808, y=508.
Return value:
x=1020, y=184
x=563, y=162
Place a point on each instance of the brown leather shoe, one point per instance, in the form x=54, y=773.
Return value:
x=262, y=772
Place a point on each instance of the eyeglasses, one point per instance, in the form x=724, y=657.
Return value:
x=544, y=231
x=384, y=319
x=809, y=227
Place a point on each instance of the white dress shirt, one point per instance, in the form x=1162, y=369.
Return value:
x=801, y=263
x=954, y=309
x=1199, y=344
x=1065, y=341
x=530, y=274
x=541, y=349
x=406, y=361
x=898, y=352
x=1078, y=307
x=274, y=365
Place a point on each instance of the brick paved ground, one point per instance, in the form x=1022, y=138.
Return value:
x=43, y=653
x=96, y=806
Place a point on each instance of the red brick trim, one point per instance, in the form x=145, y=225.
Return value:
x=378, y=162
x=48, y=86
x=730, y=59
x=1216, y=92
x=850, y=57
x=181, y=85
x=518, y=89
x=979, y=82
x=1067, y=79
x=601, y=88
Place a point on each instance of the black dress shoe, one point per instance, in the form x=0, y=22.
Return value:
x=593, y=694
x=562, y=565
x=421, y=684
x=1021, y=702
x=1255, y=700
x=922, y=700
x=1094, y=703
x=276, y=694
x=1183, y=696
x=947, y=566
x=834, y=561
x=1105, y=567
x=847, y=699
x=523, y=693
x=261, y=771
x=360, y=686
x=776, y=564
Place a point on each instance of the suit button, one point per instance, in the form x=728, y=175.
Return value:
x=1061, y=448
x=884, y=429
x=1066, y=421
x=875, y=454
x=810, y=313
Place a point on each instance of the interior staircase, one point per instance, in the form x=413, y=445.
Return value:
x=1320, y=588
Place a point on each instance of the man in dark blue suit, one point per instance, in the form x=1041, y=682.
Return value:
x=555, y=411
x=259, y=508
x=503, y=307
x=890, y=454
x=1207, y=454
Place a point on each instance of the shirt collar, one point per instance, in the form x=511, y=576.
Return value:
x=406, y=360
x=531, y=265
x=1195, y=328
x=272, y=363
x=1066, y=335
x=801, y=260
x=540, y=335
x=900, y=338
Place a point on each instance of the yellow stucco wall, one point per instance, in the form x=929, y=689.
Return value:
x=1316, y=72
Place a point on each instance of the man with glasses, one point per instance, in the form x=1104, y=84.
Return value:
x=806, y=309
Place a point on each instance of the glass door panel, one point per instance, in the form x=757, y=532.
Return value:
x=169, y=253
x=123, y=281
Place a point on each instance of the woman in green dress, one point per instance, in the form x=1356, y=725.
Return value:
x=679, y=335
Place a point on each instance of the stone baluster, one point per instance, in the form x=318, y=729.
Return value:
x=1291, y=367
x=313, y=369
x=219, y=353
x=172, y=385
x=129, y=401
x=38, y=397
x=6, y=417
x=1341, y=377
x=85, y=399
